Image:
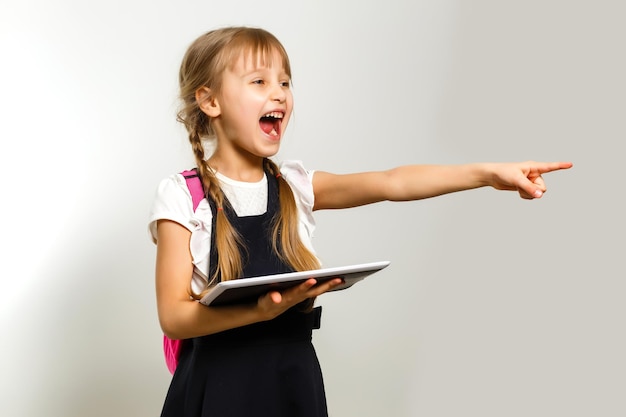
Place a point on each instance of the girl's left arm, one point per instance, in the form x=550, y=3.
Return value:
x=415, y=182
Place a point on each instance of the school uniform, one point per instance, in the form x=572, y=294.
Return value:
x=263, y=369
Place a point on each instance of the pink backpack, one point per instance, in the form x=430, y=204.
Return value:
x=171, y=348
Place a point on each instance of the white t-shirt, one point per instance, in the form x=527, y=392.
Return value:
x=173, y=202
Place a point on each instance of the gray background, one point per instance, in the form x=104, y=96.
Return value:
x=492, y=306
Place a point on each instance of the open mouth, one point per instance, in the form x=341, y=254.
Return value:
x=270, y=123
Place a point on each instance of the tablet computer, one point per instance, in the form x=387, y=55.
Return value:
x=247, y=290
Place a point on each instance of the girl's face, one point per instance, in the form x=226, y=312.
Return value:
x=255, y=103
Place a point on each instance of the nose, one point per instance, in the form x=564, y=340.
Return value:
x=278, y=93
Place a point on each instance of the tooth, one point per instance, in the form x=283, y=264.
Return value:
x=274, y=115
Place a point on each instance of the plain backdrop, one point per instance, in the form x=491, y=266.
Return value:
x=492, y=305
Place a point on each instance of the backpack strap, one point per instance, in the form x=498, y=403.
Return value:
x=195, y=186
x=172, y=348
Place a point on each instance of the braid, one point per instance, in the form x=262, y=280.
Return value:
x=285, y=235
x=227, y=240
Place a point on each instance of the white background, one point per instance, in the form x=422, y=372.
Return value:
x=492, y=306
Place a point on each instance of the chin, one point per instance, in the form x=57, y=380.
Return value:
x=271, y=147
x=270, y=154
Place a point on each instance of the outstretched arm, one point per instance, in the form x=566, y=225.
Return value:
x=415, y=182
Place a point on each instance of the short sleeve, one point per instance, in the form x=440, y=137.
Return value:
x=173, y=202
x=301, y=182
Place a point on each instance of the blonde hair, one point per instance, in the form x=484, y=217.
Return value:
x=204, y=63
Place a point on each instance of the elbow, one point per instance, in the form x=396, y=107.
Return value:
x=181, y=320
x=171, y=326
x=170, y=330
x=175, y=316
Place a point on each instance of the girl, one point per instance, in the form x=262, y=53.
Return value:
x=256, y=219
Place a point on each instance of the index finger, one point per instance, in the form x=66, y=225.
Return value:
x=543, y=167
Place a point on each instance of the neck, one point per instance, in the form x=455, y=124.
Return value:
x=239, y=169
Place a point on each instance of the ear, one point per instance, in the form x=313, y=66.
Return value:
x=207, y=102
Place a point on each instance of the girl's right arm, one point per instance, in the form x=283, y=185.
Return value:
x=182, y=317
x=415, y=182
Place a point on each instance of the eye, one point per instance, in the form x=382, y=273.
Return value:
x=258, y=82
x=285, y=84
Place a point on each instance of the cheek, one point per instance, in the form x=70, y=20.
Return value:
x=289, y=105
x=286, y=119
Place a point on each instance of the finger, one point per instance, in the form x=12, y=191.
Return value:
x=300, y=291
x=309, y=283
x=527, y=189
x=276, y=297
x=539, y=183
x=324, y=287
x=523, y=194
x=544, y=167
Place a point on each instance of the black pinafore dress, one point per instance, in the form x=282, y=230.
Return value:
x=263, y=369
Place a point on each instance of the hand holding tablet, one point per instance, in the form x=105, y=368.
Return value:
x=246, y=290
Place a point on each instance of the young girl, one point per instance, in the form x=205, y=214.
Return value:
x=256, y=218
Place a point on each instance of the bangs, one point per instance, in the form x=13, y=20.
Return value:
x=257, y=47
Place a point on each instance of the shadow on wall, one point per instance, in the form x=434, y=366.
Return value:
x=90, y=344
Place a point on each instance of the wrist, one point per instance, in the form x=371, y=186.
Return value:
x=482, y=174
